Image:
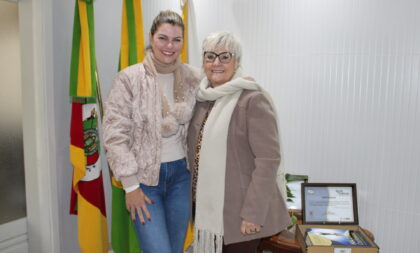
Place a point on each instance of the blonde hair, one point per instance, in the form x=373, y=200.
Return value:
x=166, y=17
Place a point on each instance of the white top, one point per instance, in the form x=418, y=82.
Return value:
x=172, y=146
x=172, y=149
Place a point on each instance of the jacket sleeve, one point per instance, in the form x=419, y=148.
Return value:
x=117, y=130
x=264, y=142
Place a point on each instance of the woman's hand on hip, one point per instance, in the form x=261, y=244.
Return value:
x=248, y=228
x=135, y=201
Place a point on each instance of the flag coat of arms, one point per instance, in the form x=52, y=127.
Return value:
x=87, y=193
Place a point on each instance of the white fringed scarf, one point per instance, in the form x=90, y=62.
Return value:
x=212, y=165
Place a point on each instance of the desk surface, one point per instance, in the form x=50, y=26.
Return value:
x=285, y=242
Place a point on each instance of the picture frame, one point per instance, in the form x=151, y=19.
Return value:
x=329, y=203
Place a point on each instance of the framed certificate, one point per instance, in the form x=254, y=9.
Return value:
x=329, y=203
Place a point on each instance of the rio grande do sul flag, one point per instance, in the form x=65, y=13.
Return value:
x=87, y=195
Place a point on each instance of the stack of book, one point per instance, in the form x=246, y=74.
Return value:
x=335, y=237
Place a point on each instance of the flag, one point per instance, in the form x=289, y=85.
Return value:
x=132, y=36
x=189, y=238
x=184, y=52
x=87, y=193
x=123, y=235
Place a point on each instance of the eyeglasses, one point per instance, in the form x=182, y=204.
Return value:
x=224, y=57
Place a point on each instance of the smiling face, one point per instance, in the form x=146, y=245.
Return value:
x=219, y=73
x=167, y=43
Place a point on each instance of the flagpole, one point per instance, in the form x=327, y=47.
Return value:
x=99, y=93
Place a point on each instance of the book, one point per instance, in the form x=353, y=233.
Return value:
x=335, y=237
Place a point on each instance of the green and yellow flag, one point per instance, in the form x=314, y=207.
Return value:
x=123, y=235
x=184, y=52
x=87, y=195
x=132, y=38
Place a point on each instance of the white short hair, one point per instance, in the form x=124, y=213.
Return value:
x=224, y=40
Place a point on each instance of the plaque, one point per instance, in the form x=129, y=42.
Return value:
x=329, y=203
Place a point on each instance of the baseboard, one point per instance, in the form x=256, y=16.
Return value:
x=14, y=237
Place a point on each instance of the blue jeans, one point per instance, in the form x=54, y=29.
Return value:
x=170, y=213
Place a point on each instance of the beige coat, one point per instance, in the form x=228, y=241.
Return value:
x=253, y=157
x=132, y=123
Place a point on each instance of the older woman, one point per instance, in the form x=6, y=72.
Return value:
x=234, y=153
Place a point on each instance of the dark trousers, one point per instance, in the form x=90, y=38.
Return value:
x=242, y=247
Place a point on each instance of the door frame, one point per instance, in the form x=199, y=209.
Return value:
x=35, y=24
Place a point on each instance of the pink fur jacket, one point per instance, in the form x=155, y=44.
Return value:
x=133, y=122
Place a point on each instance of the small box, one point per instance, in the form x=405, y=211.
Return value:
x=330, y=210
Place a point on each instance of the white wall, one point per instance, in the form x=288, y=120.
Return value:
x=344, y=75
x=345, y=78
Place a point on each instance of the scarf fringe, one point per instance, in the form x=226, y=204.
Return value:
x=207, y=242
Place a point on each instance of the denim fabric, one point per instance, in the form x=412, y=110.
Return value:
x=165, y=233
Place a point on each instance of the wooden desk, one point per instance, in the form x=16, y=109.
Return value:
x=285, y=242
